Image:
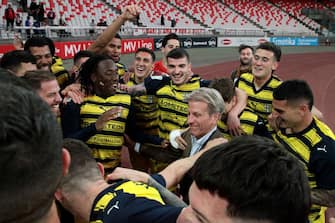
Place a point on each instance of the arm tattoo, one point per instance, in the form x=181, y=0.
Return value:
x=168, y=197
x=323, y=197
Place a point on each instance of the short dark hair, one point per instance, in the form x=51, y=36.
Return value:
x=258, y=178
x=178, y=53
x=243, y=46
x=40, y=41
x=31, y=155
x=146, y=50
x=293, y=91
x=36, y=77
x=226, y=88
x=269, y=46
x=83, y=165
x=7, y=77
x=82, y=54
x=12, y=60
x=168, y=37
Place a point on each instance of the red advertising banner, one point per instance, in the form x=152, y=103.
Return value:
x=131, y=45
x=67, y=50
x=5, y=48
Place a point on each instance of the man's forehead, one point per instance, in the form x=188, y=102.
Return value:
x=38, y=49
x=173, y=42
x=261, y=52
x=178, y=61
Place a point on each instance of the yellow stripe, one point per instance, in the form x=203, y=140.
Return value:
x=141, y=190
x=103, y=201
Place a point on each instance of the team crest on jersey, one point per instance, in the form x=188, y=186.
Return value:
x=185, y=96
x=268, y=108
x=150, y=98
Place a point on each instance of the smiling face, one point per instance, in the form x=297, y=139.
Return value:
x=264, y=62
x=49, y=92
x=246, y=56
x=43, y=57
x=204, y=207
x=288, y=115
x=113, y=49
x=105, y=79
x=143, y=65
x=170, y=45
x=199, y=120
x=179, y=70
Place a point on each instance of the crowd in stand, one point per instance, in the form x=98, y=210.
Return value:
x=248, y=148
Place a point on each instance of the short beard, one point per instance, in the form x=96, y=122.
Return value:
x=245, y=64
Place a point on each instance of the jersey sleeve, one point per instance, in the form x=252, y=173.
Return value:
x=70, y=121
x=153, y=83
x=322, y=163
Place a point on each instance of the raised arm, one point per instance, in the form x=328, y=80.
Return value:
x=130, y=12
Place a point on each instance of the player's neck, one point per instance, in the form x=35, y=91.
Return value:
x=306, y=121
x=86, y=199
x=259, y=82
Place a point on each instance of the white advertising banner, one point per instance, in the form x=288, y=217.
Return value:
x=237, y=41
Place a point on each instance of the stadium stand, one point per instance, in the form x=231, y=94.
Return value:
x=213, y=13
x=295, y=8
x=278, y=17
x=268, y=16
x=152, y=11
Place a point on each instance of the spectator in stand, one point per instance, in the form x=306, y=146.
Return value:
x=173, y=22
x=28, y=24
x=24, y=5
x=92, y=28
x=246, y=55
x=51, y=15
x=61, y=21
x=100, y=23
x=10, y=17
x=162, y=20
x=40, y=12
x=33, y=9
x=18, y=22
x=169, y=42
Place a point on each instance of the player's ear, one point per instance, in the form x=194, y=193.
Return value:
x=66, y=157
x=101, y=169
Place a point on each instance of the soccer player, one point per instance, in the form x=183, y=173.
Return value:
x=32, y=162
x=43, y=49
x=251, y=123
x=308, y=139
x=231, y=184
x=169, y=42
x=109, y=42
